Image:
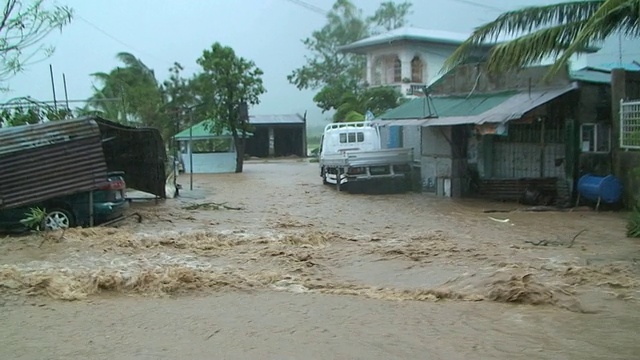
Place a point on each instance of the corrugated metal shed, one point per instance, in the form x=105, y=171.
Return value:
x=276, y=119
x=139, y=152
x=42, y=161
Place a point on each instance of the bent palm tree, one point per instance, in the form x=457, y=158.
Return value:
x=555, y=31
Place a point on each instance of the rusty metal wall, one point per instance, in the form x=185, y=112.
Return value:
x=39, y=162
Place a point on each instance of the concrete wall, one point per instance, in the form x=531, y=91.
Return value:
x=475, y=77
x=436, y=160
x=412, y=139
x=210, y=163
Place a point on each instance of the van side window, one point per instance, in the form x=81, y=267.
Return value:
x=351, y=137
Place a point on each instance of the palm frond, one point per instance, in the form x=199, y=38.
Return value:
x=533, y=48
x=611, y=17
x=524, y=21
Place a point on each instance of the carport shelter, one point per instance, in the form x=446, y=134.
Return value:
x=277, y=135
x=211, y=152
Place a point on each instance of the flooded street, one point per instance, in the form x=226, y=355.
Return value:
x=270, y=263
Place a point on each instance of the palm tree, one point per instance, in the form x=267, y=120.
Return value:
x=555, y=31
x=136, y=85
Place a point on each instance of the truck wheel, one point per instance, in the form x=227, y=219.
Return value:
x=58, y=219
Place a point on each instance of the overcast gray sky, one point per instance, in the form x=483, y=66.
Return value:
x=268, y=32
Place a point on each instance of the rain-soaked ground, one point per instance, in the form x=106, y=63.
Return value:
x=280, y=266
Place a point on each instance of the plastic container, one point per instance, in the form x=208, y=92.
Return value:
x=608, y=188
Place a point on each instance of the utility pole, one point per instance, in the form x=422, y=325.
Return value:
x=53, y=87
x=66, y=95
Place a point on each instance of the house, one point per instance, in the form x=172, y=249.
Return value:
x=277, y=135
x=498, y=135
x=411, y=58
x=208, y=152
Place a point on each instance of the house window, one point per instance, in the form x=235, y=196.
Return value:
x=630, y=125
x=595, y=137
x=351, y=137
x=397, y=70
x=416, y=70
x=378, y=70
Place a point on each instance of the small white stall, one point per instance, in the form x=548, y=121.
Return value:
x=211, y=153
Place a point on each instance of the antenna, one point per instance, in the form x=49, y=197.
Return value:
x=620, y=48
x=429, y=105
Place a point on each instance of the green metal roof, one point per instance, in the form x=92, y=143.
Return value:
x=201, y=130
x=447, y=106
x=591, y=76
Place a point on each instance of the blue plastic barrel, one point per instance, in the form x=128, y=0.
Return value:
x=608, y=188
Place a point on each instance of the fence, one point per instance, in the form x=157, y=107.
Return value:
x=630, y=124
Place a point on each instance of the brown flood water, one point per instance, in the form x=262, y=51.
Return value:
x=302, y=271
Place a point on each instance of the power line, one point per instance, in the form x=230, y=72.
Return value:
x=477, y=4
x=105, y=33
x=308, y=6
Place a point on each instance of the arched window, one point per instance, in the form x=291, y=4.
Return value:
x=397, y=70
x=378, y=70
x=417, y=68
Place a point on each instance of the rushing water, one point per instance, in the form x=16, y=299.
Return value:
x=302, y=271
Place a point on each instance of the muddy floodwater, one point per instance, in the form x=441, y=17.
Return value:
x=271, y=264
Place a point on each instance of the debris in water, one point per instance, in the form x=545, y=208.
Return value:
x=211, y=206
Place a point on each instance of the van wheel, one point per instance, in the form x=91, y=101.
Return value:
x=58, y=219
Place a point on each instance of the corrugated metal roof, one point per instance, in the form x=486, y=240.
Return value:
x=633, y=66
x=446, y=106
x=486, y=108
x=200, y=131
x=18, y=138
x=276, y=119
x=591, y=76
x=43, y=161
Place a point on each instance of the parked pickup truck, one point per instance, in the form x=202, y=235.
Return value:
x=351, y=157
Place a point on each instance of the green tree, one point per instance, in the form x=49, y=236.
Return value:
x=178, y=96
x=135, y=85
x=390, y=16
x=26, y=110
x=332, y=72
x=225, y=83
x=23, y=26
x=326, y=67
x=377, y=100
x=555, y=31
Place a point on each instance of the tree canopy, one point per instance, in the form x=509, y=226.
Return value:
x=333, y=73
x=555, y=31
x=23, y=27
x=226, y=83
x=137, y=88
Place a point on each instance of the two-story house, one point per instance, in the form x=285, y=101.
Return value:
x=407, y=58
x=410, y=58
